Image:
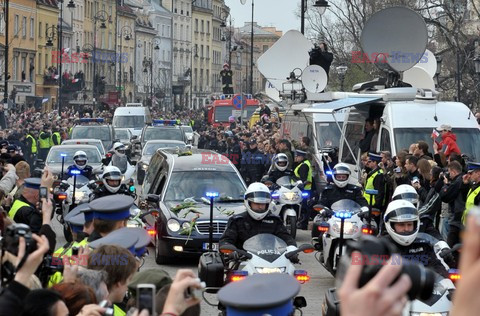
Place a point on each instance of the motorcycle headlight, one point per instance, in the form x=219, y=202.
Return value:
x=349, y=228
x=173, y=225
x=134, y=211
x=144, y=166
x=290, y=196
x=79, y=195
x=270, y=270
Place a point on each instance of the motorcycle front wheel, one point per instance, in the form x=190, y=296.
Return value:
x=291, y=224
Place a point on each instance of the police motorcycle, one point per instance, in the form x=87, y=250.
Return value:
x=128, y=170
x=287, y=197
x=345, y=220
x=431, y=294
x=262, y=254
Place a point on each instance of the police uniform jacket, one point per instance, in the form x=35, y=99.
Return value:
x=102, y=191
x=421, y=251
x=332, y=194
x=87, y=172
x=241, y=227
x=253, y=165
x=379, y=185
x=29, y=215
x=276, y=174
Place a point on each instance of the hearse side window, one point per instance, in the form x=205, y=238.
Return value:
x=153, y=171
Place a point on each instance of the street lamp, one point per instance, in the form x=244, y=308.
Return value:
x=194, y=49
x=439, y=59
x=128, y=34
x=322, y=6
x=342, y=70
x=148, y=64
x=229, y=37
x=57, y=31
x=101, y=16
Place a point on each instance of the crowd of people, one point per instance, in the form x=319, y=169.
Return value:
x=430, y=182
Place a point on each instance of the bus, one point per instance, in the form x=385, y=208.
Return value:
x=222, y=108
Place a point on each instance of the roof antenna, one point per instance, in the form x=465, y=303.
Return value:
x=469, y=114
x=435, y=116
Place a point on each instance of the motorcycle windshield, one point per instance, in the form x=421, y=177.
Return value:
x=285, y=181
x=437, y=293
x=346, y=205
x=80, y=182
x=266, y=246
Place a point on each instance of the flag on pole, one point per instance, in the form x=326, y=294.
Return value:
x=44, y=100
x=56, y=77
x=435, y=134
x=75, y=80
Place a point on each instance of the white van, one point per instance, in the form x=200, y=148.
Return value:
x=405, y=118
x=323, y=130
x=133, y=118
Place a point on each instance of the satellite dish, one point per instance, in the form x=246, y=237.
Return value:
x=399, y=32
x=419, y=78
x=314, y=79
x=271, y=91
x=278, y=62
x=429, y=63
x=243, y=1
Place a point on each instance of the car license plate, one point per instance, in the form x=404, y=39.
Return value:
x=214, y=246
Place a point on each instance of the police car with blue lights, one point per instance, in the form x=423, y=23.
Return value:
x=177, y=183
x=95, y=128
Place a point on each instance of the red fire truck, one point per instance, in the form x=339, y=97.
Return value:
x=223, y=108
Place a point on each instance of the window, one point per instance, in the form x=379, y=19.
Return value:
x=201, y=51
x=2, y=26
x=168, y=31
x=46, y=61
x=32, y=28
x=385, y=141
x=208, y=26
x=196, y=25
x=208, y=52
x=163, y=30
x=15, y=25
x=181, y=32
x=40, y=68
x=207, y=78
x=15, y=66
x=24, y=26
x=203, y=26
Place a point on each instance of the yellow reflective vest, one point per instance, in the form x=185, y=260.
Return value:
x=15, y=207
x=34, y=144
x=472, y=194
x=58, y=138
x=369, y=186
x=57, y=277
x=43, y=143
x=309, y=176
x=117, y=311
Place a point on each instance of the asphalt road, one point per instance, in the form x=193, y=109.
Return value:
x=313, y=291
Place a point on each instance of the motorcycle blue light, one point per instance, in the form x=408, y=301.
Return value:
x=329, y=172
x=371, y=192
x=211, y=194
x=275, y=195
x=63, y=155
x=343, y=214
x=75, y=172
x=305, y=194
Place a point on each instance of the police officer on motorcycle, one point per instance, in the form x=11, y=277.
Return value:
x=112, y=184
x=280, y=163
x=256, y=220
x=80, y=163
x=403, y=224
x=341, y=189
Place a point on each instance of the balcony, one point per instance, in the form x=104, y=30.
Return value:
x=49, y=81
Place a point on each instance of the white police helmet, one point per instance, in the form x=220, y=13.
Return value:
x=281, y=161
x=257, y=193
x=401, y=211
x=119, y=149
x=80, y=159
x=112, y=173
x=341, y=169
x=406, y=192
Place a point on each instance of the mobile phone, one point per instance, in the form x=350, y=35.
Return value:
x=43, y=193
x=146, y=297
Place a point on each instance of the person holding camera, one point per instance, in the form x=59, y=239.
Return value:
x=320, y=56
x=32, y=208
x=454, y=193
x=402, y=224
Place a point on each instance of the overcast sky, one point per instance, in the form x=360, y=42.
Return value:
x=278, y=13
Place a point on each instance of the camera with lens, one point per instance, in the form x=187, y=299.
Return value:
x=109, y=309
x=12, y=236
x=375, y=253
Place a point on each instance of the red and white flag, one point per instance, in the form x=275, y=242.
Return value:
x=57, y=76
x=75, y=80
x=435, y=133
